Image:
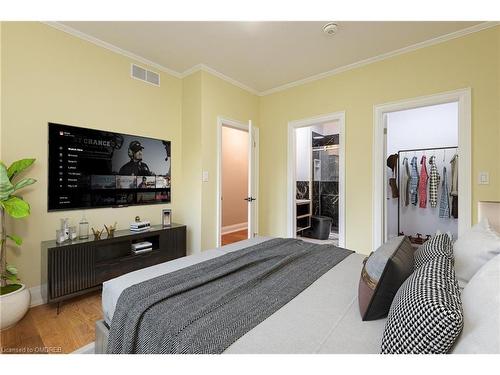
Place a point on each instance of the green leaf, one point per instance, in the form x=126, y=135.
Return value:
x=11, y=278
x=19, y=166
x=6, y=188
x=16, y=207
x=11, y=269
x=18, y=240
x=9, y=288
x=23, y=183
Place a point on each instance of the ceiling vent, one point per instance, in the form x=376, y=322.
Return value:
x=145, y=75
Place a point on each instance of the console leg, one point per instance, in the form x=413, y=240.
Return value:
x=58, y=307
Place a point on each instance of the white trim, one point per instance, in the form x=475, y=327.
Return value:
x=222, y=121
x=384, y=56
x=206, y=68
x=37, y=298
x=101, y=43
x=463, y=97
x=291, y=166
x=234, y=228
x=253, y=179
x=131, y=55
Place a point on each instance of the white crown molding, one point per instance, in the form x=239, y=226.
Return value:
x=205, y=68
x=110, y=47
x=384, y=56
x=101, y=43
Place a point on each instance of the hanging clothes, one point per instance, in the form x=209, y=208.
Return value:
x=433, y=182
x=414, y=181
x=405, y=183
x=422, y=183
x=454, y=186
x=444, y=204
x=392, y=162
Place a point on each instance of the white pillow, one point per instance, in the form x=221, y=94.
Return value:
x=473, y=249
x=481, y=305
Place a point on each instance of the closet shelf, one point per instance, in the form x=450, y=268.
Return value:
x=302, y=216
x=303, y=201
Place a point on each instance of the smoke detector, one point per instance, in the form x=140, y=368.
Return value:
x=330, y=28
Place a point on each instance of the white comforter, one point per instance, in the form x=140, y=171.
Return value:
x=324, y=318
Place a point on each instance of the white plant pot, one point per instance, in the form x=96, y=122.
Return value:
x=13, y=306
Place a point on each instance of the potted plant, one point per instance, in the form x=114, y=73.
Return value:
x=14, y=297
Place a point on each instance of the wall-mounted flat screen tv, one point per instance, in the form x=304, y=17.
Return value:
x=94, y=168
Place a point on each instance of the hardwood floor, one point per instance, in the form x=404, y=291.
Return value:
x=43, y=331
x=226, y=239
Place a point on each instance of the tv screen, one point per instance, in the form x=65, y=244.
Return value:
x=94, y=168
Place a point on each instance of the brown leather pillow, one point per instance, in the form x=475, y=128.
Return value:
x=383, y=273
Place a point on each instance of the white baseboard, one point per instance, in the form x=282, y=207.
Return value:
x=36, y=296
x=234, y=228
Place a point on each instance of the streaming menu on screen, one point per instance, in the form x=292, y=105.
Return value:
x=92, y=168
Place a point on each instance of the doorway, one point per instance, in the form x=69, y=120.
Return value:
x=316, y=192
x=417, y=130
x=422, y=144
x=237, y=181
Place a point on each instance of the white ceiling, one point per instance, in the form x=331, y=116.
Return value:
x=263, y=55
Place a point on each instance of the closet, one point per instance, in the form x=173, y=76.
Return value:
x=422, y=169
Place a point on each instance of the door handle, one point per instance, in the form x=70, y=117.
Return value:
x=249, y=199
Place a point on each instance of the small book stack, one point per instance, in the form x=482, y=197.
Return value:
x=142, y=247
x=140, y=226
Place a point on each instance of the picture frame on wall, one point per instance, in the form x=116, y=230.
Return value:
x=166, y=217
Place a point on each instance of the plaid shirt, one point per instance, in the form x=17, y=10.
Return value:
x=433, y=182
x=414, y=181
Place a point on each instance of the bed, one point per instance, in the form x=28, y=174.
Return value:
x=324, y=318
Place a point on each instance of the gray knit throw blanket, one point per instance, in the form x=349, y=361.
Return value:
x=206, y=307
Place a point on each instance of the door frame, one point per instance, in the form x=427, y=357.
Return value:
x=223, y=121
x=291, y=166
x=463, y=98
x=253, y=179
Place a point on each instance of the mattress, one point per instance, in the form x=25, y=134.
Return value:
x=324, y=318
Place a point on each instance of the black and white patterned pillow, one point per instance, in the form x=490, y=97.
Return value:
x=438, y=245
x=426, y=314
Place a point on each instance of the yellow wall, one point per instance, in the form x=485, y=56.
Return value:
x=219, y=98
x=51, y=76
x=48, y=75
x=471, y=61
x=1, y=90
x=191, y=160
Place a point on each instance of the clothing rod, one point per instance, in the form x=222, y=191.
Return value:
x=324, y=148
x=399, y=176
x=428, y=149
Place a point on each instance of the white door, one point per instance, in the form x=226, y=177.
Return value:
x=253, y=180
